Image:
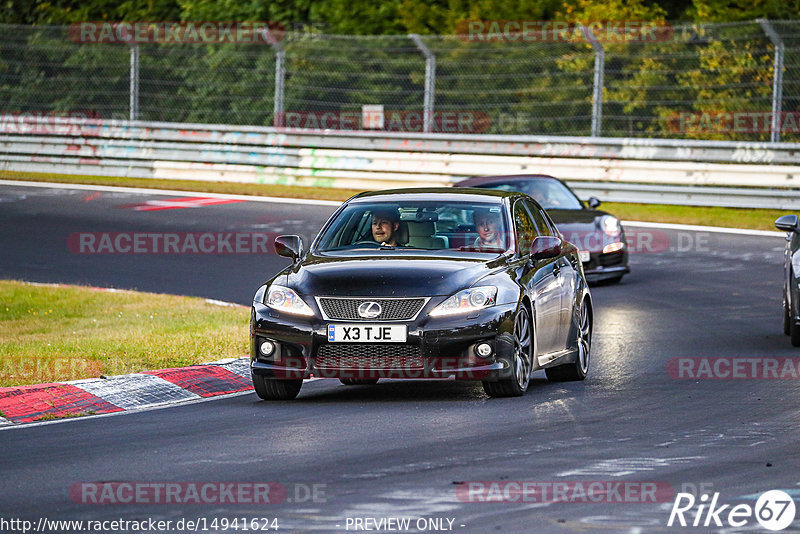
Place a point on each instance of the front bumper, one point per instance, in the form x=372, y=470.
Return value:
x=606, y=266
x=435, y=347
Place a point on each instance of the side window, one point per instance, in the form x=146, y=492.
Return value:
x=554, y=231
x=539, y=219
x=365, y=226
x=526, y=229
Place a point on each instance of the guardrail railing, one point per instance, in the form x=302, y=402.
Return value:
x=724, y=173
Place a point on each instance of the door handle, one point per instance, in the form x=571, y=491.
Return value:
x=556, y=269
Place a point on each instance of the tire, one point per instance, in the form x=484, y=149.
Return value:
x=359, y=381
x=578, y=369
x=517, y=384
x=274, y=389
x=787, y=318
x=794, y=332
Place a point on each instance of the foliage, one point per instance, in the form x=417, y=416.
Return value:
x=367, y=17
x=509, y=86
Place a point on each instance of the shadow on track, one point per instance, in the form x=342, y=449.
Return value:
x=388, y=390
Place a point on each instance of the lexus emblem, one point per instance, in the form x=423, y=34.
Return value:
x=369, y=310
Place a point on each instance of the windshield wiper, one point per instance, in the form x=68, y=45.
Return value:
x=404, y=247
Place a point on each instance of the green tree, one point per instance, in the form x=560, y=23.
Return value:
x=735, y=10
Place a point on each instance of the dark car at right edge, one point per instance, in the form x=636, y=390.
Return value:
x=598, y=235
x=791, y=279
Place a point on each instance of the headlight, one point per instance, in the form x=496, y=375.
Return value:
x=613, y=247
x=472, y=299
x=796, y=264
x=610, y=225
x=284, y=299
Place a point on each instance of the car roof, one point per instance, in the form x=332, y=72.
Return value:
x=504, y=178
x=437, y=193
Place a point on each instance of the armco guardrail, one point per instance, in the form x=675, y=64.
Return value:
x=633, y=170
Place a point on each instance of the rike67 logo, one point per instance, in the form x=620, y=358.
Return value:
x=774, y=510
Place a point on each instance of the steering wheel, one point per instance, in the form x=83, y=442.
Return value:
x=370, y=242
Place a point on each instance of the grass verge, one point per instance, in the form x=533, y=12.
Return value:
x=53, y=417
x=750, y=218
x=64, y=333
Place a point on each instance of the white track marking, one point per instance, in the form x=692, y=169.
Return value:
x=144, y=191
x=619, y=467
x=135, y=391
x=253, y=198
x=695, y=228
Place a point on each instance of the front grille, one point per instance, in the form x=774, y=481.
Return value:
x=612, y=260
x=369, y=357
x=599, y=261
x=391, y=309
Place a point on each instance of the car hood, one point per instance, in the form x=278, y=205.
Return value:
x=575, y=217
x=382, y=276
x=582, y=221
x=581, y=228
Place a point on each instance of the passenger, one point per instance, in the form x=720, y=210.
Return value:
x=384, y=226
x=487, y=224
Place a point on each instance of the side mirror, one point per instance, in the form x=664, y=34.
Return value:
x=545, y=247
x=787, y=223
x=290, y=246
x=593, y=202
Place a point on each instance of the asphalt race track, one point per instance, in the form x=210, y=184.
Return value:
x=409, y=449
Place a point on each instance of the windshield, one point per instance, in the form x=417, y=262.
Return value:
x=426, y=225
x=551, y=194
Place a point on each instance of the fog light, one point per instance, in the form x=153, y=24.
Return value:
x=484, y=350
x=613, y=247
x=267, y=348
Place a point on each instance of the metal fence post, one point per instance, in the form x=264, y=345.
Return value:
x=280, y=78
x=430, y=82
x=133, y=106
x=777, y=80
x=597, y=87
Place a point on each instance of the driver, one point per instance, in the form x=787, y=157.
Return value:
x=546, y=195
x=539, y=196
x=384, y=226
x=487, y=224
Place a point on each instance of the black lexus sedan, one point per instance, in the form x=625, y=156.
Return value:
x=598, y=235
x=425, y=283
x=791, y=281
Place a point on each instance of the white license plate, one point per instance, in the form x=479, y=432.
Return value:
x=584, y=255
x=367, y=333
